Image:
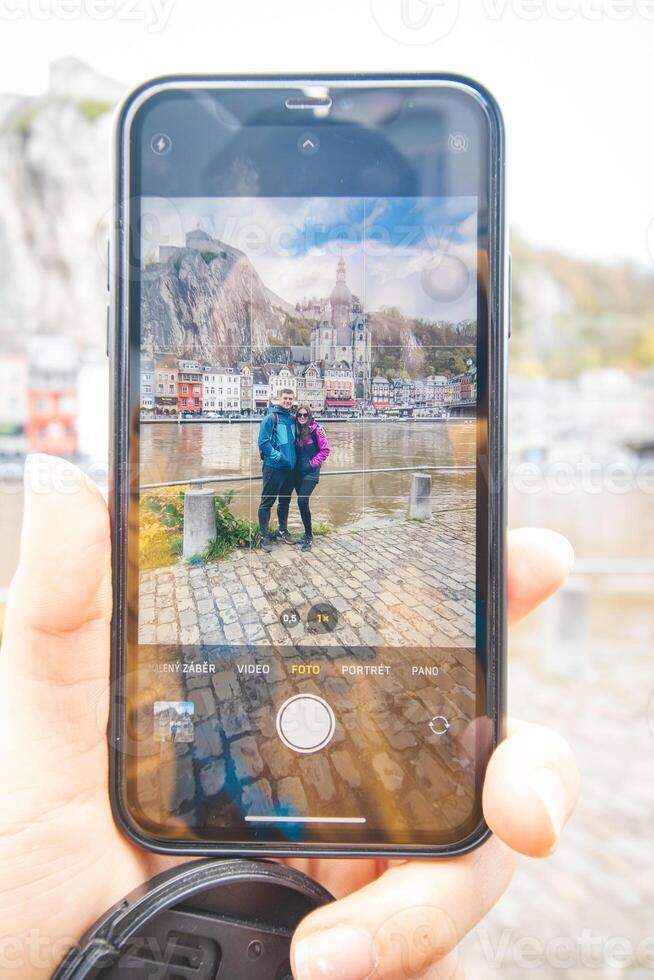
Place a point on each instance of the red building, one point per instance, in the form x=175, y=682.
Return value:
x=467, y=387
x=51, y=425
x=189, y=387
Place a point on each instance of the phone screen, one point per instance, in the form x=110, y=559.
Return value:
x=306, y=650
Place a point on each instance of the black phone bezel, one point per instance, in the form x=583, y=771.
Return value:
x=492, y=562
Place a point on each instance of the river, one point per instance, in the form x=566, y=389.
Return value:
x=177, y=452
x=600, y=523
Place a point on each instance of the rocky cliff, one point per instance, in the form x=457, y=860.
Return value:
x=55, y=211
x=209, y=305
x=55, y=200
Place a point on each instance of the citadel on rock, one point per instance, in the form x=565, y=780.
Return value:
x=332, y=373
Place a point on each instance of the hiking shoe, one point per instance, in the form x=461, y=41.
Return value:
x=306, y=544
x=286, y=537
x=266, y=545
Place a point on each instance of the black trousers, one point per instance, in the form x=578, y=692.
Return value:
x=276, y=484
x=305, y=484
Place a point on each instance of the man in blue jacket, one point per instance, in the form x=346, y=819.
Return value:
x=277, y=448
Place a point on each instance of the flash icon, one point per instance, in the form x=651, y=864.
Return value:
x=161, y=144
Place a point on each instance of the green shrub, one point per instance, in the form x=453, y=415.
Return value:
x=322, y=528
x=92, y=110
x=231, y=532
x=24, y=121
x=160, y=527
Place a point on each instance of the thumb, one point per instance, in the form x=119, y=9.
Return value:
x=530, y=790
x=55, y=653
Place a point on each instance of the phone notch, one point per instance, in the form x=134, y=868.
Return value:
x=309, y=102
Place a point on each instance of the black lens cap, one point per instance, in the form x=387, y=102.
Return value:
x=203, y=920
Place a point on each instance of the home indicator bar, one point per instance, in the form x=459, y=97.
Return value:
x=305, y=819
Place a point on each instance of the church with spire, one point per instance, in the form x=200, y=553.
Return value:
x=340, y=337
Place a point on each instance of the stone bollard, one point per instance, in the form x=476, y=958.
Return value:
x=199, y=521
x=564, y=646
x=420, y=497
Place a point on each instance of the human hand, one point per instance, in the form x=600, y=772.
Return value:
x=398, y=919
x=62, y=859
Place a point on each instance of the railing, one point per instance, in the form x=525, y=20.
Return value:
x=245, y=478
x=614, y=566
x=199, y=521
x=564, y=647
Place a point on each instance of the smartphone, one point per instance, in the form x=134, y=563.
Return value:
x=308, y=328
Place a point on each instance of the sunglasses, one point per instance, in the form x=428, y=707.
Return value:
x=303, y=415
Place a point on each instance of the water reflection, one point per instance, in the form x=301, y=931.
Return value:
x=178, y=452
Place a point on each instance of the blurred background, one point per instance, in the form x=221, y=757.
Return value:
x=573, y=79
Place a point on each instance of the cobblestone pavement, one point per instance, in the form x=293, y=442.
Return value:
x=388, y=590
x=382, y=748
x=401, y=583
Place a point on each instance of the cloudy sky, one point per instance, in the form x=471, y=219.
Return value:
x=414, y=253
x=573, y=77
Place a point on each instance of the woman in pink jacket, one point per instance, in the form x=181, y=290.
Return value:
x=312, y=449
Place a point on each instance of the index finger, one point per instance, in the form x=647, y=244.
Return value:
x=539, y=562
x=530, y=789
x=405, y=922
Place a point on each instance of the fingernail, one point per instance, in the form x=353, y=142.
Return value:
x=546, y=784
x=343, y=953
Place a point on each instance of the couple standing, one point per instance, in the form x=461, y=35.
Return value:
x=292, y=448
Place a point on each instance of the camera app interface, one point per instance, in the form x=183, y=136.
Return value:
x=305, y=664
